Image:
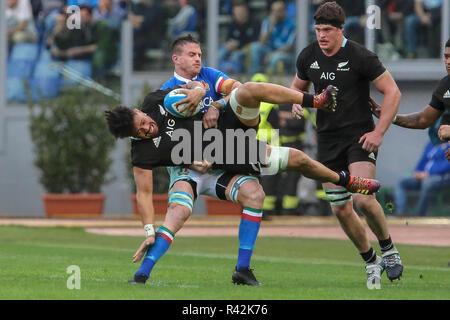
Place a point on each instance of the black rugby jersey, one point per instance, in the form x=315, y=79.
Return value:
x=440, y=99
x=157, y=151
x=351, y=70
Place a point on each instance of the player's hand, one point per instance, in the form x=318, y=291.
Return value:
x=420, y=175
x=210, y=118
x=375, y=108
x=444, y=132
x=149, y=241
x=201, y=166
x=193, y=98
x=371, y=141
x=297, y=111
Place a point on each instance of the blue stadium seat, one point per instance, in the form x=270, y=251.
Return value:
x=20, y=66
x=83, y=67
x=46, y=80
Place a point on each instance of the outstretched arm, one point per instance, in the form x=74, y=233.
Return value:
x=144, y=196
x=416, y=120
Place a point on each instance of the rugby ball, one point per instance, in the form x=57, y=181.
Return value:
x=177, y=110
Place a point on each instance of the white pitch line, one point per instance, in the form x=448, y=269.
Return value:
x=233, y=257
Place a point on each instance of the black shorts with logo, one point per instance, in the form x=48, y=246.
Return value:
x=339, y=151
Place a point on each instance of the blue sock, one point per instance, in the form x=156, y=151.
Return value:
x=164, y=238
x=248, y=232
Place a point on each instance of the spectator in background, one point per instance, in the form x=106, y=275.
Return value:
x=108, y=17
x=148, y=18
x=394, y=13
x=76, y=44
x=19, y=21
x=431, y=173
x=241, y=32
x=427, y=14
x=182, y=19
x=275, y=47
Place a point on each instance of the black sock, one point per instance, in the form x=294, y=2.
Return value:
x=369, y=256
x=308, y=100
x=344, y=178
x=386, y=245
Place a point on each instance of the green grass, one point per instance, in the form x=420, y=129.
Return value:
x=33, y=263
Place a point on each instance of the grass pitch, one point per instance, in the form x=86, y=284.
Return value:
x=34, y=262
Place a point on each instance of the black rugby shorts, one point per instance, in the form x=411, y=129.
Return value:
x=338, y=153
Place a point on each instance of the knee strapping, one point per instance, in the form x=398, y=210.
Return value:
x=181, y=198
x=338, y=197
x=242, y=111
x=234, y=191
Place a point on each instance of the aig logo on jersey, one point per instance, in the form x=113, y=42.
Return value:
x=328, y=76
x=342, y=66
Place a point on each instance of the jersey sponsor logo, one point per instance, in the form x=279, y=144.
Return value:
x=341, y=66
x=156, y=141
x=315, y=65
x=328, y=76
x=372, y=156
x=170, y=127
x=447, y=95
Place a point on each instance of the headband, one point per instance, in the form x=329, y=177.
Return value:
x=333, y=23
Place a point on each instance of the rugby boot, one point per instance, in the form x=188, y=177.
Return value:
x=138, y=279
x=326, y=99
x=362, y=185
x=245, y=277
x=374, y=271
x=393, y=264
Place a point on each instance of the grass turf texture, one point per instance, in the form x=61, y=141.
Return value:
x=33, y=263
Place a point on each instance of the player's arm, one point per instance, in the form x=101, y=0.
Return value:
x=144, y=196
x=385, y=84
x=416, y=120
x=301, y=86
x=212, y=115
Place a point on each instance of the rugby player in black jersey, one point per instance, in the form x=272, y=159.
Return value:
x=439, y=103
x=348, y=139
x=241, y=111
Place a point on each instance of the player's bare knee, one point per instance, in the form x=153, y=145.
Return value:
x=178, y=212
x=251, y=194
x=341, y=212
x=364, y=203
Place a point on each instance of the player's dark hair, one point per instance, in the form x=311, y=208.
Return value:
x=447, y=44
x=330, y=13
x=120, y=121
x=181, y=41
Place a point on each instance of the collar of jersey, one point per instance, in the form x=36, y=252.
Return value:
x=177, y=76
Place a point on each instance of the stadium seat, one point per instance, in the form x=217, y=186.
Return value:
x=46, y=80
x=20, y=66
x=82, y=67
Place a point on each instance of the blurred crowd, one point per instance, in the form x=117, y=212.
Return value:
x=255, y=36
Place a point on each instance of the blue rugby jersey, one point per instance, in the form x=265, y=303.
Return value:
x=211, y=77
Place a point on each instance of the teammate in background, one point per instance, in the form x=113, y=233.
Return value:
x=439, y=103
x=241, y=112
x=348, y=139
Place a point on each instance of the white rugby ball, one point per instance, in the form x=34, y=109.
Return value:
x=173, y=97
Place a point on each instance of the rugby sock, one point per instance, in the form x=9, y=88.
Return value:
x=344, y=178
x=248, y=232
x=369, y=256
x=386, y=245
x=163, y=240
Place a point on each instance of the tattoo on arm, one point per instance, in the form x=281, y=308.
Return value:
x=412, y=121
